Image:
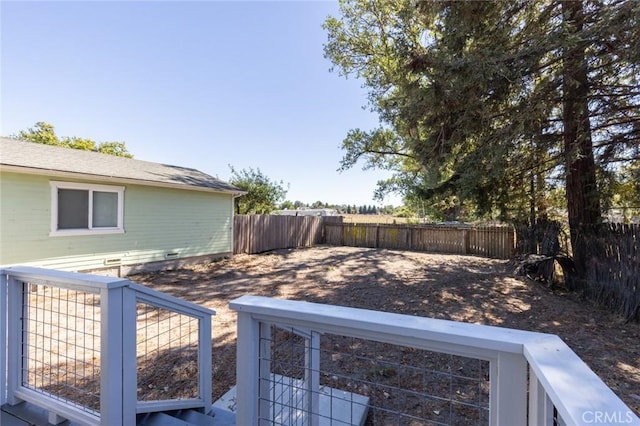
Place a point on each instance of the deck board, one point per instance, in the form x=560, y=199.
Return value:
x=26, y=414
x=7, y=419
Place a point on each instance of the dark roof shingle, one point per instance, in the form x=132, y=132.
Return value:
x=44, y=158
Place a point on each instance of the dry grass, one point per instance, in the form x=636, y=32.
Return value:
x=460, y=288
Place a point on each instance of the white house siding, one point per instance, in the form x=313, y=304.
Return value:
x=158, y=222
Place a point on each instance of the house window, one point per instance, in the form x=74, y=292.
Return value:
x=79, y=208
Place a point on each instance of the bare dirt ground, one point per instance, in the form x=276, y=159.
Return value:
x=460, y=288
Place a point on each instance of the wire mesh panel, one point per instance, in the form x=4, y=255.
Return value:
x=558, y=420
x=336, y=380
x=61, y=345
x=167, y=354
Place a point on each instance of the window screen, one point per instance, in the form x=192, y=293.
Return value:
x=73, y=209
x=105, y=209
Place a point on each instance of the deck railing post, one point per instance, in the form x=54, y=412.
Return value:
x=247, y=370
x=204, y=359
x=312, y=377
x=14, y=338
x=508, y=395
x=540, y=406
x=112, y=349
x=129, y=355
x=4, y=344
x=266, y=411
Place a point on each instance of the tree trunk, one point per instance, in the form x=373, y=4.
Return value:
x=583, y=201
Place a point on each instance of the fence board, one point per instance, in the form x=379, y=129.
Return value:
x=494, y=241
x=260, y=233
x=612, y=277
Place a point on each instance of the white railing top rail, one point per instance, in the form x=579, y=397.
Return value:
x=579, y=395
x=95, y=283
x=164, y=300
x=64, y=279
x=571, y=385
x=462, y=338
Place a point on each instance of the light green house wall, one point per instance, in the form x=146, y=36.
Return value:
x=160, y=224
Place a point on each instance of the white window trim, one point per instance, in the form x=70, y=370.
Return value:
x=55, y=232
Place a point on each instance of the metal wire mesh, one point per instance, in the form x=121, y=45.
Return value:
x=557, y=419
x=61, y=348
x=393, y=385
x=167, y=354
x=61, y=345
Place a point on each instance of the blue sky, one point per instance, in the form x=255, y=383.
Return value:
x=198, y=84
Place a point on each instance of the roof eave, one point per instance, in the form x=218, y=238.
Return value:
x=113, y=179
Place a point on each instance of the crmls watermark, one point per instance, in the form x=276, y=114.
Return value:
x=607, y=417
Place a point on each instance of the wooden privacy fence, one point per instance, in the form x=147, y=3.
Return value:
x=613, y=268
x=260, y=233
x=488, y=241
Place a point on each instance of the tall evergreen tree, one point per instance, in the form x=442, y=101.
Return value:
x=493, y=103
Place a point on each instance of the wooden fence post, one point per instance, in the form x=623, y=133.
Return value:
x=465, y=241
x=259, y=233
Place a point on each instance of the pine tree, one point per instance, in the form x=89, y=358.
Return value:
x=490, y=103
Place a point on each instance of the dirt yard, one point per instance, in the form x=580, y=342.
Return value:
x=460, y=288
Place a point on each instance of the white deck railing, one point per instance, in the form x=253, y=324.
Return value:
x=533, y=378
x=87, y=343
